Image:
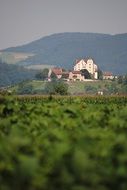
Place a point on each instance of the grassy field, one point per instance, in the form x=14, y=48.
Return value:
x=78, y=88
x=90, y=87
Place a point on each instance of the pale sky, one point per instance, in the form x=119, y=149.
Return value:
x=22, y=21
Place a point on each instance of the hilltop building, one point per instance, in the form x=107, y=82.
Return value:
x=87, y=64
x=67, y=75
x=77, y=73
x=76, y=76
x=58, y=72
x=108, y=75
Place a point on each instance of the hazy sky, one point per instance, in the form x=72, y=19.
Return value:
x=22, y=21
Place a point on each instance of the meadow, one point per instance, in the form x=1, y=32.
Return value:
x=74, y=88
x=63, y=142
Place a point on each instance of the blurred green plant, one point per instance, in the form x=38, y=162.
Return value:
x=72, y=143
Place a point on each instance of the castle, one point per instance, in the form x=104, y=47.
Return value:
x=87, y=64
x=77, y=73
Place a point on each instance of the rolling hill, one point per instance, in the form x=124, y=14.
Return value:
x=108, y=51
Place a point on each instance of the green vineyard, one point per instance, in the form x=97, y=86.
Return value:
x=63, y=143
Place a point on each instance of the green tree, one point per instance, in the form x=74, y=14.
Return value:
x=100, y=74
x=90, y=89
x=42, y=75
x=53, y=76
x=125, y=80
x=25, y=88
x=120, y=79
x=57, y=87
x=86, y=73
x=113, y=89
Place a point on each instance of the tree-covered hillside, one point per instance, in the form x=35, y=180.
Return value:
x=108, y=51
x=12, y=74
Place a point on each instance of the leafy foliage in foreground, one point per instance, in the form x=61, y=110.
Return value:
x=63, y=143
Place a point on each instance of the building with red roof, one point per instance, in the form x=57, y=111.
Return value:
x=108, y=75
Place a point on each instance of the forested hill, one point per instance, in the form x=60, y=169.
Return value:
x=12, y=74
x=108, y=51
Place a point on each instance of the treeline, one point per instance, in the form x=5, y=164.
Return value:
x=52, y=88
x=12, y=74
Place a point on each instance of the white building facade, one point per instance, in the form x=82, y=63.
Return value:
x=87, y=64
x=76, y=76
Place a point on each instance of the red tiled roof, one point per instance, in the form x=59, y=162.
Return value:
x=107, y=73
x=57, y=71
x=85, y=60
x=65, y=73
x=77, y=60
x=76, y=72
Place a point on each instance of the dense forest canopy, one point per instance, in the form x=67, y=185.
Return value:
x=12, y=74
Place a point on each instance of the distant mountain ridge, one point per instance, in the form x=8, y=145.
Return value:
x=108, y=51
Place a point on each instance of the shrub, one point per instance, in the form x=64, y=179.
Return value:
x=56, y=87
